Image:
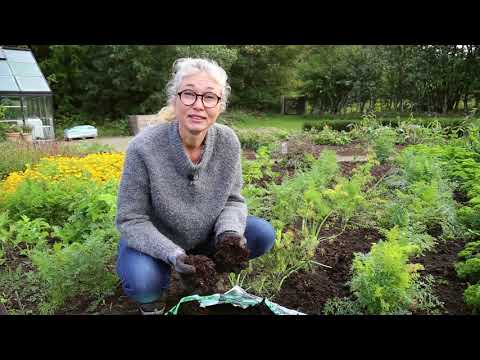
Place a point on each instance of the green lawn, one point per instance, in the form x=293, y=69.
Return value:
x=287, y=122
x=295, y=122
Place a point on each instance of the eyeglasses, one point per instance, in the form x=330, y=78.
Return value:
x=189, y=97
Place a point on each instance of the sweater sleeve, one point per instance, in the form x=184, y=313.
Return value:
x=134, y=209
x=234, y=215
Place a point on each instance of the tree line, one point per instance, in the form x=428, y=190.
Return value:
x=113, y=81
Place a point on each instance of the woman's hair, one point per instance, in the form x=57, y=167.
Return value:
x=188, y=66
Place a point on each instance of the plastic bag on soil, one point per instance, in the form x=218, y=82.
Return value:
x=236, y=297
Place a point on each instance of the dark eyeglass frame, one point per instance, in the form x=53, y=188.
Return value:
x=196, y=97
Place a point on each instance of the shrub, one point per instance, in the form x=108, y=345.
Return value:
x=319, y=125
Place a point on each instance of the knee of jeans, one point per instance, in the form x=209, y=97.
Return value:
x=265, y=240
x=268, y=238
x=146, y=284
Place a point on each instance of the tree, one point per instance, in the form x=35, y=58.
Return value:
x=262, y=74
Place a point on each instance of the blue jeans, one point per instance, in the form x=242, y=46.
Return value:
x=144, y=278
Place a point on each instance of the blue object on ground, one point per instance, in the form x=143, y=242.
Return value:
x=81, y=132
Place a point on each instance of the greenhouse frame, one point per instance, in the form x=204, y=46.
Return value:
x=25, y=94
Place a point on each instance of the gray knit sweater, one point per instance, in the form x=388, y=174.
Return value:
x=166, y=204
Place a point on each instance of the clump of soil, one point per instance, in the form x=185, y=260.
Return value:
x=204, y=280
x=230, y=256
x=194, y=308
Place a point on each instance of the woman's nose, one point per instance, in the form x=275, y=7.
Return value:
x=198, y=104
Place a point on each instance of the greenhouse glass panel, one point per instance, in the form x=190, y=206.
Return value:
x=19, y=56
x=7, y=83
x=4, y=69
x=34, y=83
x=25, y=69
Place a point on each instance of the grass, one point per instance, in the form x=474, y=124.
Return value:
x=286, y=122
x=295, y=122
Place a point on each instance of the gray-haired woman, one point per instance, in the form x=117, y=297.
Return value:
x=180, y=188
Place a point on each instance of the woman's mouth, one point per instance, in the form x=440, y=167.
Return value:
x=197, y=118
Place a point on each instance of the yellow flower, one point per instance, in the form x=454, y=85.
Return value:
x=98, y=167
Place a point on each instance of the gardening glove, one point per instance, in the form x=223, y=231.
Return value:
x=178, y=262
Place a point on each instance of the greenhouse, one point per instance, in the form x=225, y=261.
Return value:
x=25, y=94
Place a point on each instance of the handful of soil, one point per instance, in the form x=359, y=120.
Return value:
x=230, y=256
x=205, y=279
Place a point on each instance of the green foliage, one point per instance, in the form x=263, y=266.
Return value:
x=222, y=54
x=29, y=233
x=328, y=136
x=52, y=201
x=255, y=170
x=267, y=273
x=255, y=138
x=78, y=269
x=21, y=289
x=341, y=306
x=423, y=206
x=262, y=74
x=469, y=269
x=288, y=197
x=319, y=125
x=93, y=211
x=471, y=250
x=418, y=166
x=423, y=301
x=115, y=128
x=15, y=157
x=383, y=140
x=5, y=233
x=410, y=132
x=382, y=280
x=472, y=297
x=86, y=148
x=295, y=153
x=3, y=132
x=344, y=200
x=257, y=199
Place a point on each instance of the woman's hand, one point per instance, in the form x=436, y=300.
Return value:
x=241, y=241
x=178, y=263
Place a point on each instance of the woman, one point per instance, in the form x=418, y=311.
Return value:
x=180, y=188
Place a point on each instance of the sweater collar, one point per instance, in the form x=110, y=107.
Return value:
x=182, y=162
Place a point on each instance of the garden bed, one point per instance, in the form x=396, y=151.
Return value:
x=304, y=291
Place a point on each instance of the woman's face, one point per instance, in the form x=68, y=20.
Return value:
x=196, y=118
